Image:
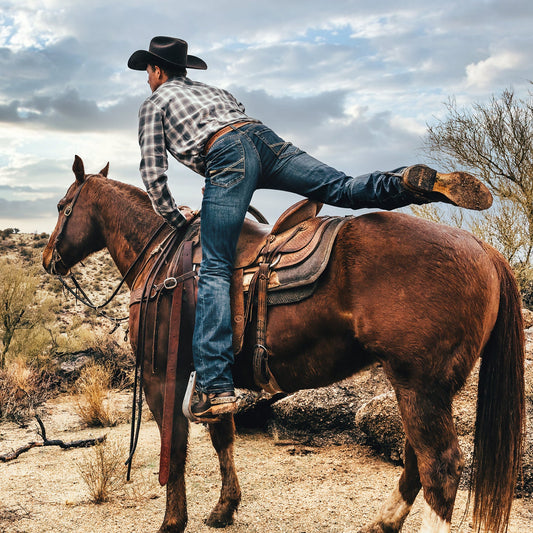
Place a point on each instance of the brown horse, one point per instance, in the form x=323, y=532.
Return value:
x=423, y=299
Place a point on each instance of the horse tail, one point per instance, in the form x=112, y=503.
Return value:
x=500, y=408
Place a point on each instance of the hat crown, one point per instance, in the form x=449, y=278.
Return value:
x=169, y=48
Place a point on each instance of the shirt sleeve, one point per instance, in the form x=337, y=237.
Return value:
x=154, y=163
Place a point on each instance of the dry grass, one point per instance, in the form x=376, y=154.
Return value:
x=103, y=471
x=93, y=403
x=22, y=389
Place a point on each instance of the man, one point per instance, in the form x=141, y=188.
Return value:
x=206, y=129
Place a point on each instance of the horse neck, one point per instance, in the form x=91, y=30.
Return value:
x=127, y=221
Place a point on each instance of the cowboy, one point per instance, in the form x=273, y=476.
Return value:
x=206, y=129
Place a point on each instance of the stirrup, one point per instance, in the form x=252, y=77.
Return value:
x=187, y=399
x=187, y=403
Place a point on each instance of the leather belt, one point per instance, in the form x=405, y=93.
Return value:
x=223, y=131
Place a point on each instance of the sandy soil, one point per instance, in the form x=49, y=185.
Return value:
x=289, y=489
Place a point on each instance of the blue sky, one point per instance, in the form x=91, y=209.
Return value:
x=354, y=83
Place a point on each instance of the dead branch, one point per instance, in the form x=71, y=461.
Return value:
x=14, y=454
x=82, y=443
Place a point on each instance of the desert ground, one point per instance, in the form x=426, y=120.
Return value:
x=287, y=487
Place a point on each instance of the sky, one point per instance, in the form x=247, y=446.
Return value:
x=354, y=83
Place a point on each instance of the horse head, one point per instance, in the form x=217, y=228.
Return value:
x=76, y=234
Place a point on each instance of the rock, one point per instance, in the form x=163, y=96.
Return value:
x=528, y=333
x=327, y=414
x=70, y=369
x=379, y=419
x=255, y=408
x=528, y=318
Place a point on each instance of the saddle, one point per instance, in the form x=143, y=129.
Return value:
x=274, y=265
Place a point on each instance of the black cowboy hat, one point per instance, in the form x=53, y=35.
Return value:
x=168, y=49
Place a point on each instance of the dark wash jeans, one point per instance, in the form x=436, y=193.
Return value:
x=241, y=161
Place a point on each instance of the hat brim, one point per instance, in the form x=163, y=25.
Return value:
x=140, y=59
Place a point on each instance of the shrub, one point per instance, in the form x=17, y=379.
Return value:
x=118, y=359
x=7, y=232
x=22, y=390
x=102, y=469
x=92, y=402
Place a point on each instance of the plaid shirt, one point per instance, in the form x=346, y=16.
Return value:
x=180, y=116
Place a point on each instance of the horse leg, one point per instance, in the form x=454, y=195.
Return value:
x=223, y=436
x=176, y=508
x=428, y=423
x=395, y=510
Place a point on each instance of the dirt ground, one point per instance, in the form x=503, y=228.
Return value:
x=286, y=488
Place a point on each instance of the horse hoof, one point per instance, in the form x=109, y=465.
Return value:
x=220, y=519
x=171, y=529
x=375, y=528
x=222, y=514
x=219, y=522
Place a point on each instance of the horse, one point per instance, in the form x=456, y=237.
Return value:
x=424, y=300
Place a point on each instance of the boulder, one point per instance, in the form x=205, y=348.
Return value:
x=255, y=408
x=327, y=414
x=379, y=419
x=71, y=367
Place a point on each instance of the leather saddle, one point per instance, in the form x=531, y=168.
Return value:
x=274, y=265
x=296, y=249
x=300, y=242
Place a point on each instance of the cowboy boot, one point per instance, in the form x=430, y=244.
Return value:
x=211, y=406
x=457, y=188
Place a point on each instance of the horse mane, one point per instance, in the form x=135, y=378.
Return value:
x=135, y=199
x=137, y=195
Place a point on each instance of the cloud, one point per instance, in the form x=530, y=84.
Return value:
x=68, y=111
x=21, y=209
x=495, y=68
x=353, y=83
x=290, y=112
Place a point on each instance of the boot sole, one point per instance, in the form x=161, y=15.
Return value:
x=459, y=188
x=214, y=413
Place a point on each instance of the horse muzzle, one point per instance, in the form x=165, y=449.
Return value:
x=53, y=263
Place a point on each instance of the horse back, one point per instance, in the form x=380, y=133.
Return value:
x=398, y=289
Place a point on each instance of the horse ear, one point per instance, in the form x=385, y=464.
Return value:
x=105, y=170
x=78, y=169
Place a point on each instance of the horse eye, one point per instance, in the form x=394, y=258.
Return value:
x=60, y=208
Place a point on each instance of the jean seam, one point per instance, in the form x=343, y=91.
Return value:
x=231, y=169
x=254, y=147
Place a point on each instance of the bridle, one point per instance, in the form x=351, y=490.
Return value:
x=67, y=211
x=77, y=291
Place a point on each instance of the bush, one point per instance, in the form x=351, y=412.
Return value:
x=117, y=358
x=22, y=390
x=524, y=276
x=7, y=232
x=92, y=402
x=102, y=469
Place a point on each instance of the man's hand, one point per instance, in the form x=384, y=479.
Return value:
x=188, y=213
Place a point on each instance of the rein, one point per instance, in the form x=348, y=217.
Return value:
x=171, y=283
x=84, y=298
